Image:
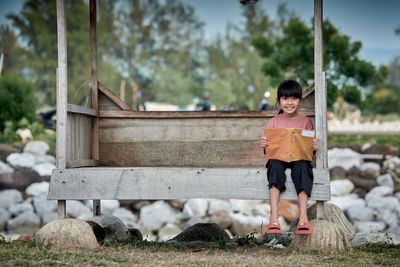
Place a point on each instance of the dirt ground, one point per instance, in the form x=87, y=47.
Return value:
x=155, y=254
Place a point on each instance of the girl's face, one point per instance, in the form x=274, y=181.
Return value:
x=290, y=104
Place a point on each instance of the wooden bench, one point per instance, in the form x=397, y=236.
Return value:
x=111, y=152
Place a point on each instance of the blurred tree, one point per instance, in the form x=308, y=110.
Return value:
x=291, y=54
x=17, y=100
x=10, y=48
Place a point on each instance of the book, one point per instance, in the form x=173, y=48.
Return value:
x=289, y=144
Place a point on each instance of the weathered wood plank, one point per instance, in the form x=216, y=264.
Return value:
x=173, y=183
x=193, y=114
x=74, y=163
x=81, y=110
x=62, y=83
x=94, y=77
x=113, y=97
x=182, y=153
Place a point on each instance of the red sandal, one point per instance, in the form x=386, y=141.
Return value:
x=274, y=228
x=303, y=228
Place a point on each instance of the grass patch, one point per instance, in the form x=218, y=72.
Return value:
x=351, y=140
x=161, y=254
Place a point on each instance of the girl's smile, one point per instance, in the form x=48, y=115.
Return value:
x=290, y=105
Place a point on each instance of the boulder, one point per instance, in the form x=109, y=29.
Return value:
x=67, y=234
x=115, y=230
x=208, y=232
x=4, y=217
x=262, y=209
x=288, y=210
x=109, y=206
x=345, y=158
x=361, y=239
x=332, y=213
x=76, y=208
x=348, y=201
x=337, y=172
x=195, y=207
x=6, y=150
x=388, y=217
x=154, y=216
x=382, y=203
x=221, y=218
x=36, y=148
x=386, y=180
x=371, y=167
x=386, y=149
x=27, y=223
x=246, y=207
x=44, y=169
x=45, y=159
x=360, y=214
x=9, y=196
x=326, y=236
x=21, y=160
x=392, y=164
x=216, y=205
x=341, y=187
x=168, y=231
x=243, y=225
x=20, y=179
x=135, y=234
x=18, y=208
x=43, y=206
x=196, y=219
x=5, y=168
x=369, y=227
x=49, y=217
x=126, y=216
x=37, y=189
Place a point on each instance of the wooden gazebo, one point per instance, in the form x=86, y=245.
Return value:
x=109, y=151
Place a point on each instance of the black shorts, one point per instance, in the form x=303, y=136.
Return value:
x=302, y=175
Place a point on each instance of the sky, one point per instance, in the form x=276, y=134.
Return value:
x=372, y=22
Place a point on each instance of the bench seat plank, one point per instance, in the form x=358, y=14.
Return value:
x=173, y=183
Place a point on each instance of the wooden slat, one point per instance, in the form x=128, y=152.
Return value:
x=94, y=78
x=75, y=163
x=81, y=110
x=173, y=183
x=113, y=97
x=193, y=114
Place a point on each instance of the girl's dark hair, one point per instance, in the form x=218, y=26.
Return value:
x=289, y=88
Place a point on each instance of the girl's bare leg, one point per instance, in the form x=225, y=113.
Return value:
x=302, y=206
x=274, y=199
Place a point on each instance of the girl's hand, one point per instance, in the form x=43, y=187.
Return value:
x=314, y=144
x=264, y=142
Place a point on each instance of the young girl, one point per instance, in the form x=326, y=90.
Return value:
x=289, y=97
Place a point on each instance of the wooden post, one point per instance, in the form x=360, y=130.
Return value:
x=122, y=90
x=62, y=89
x=96, y=207
x=94, y=78
x=320, y=96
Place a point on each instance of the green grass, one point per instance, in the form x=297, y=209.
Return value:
x=161, y=254
x=350, y=140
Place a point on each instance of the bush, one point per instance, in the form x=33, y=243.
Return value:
x=17, y=100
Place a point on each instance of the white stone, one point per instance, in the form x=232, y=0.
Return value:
x=4, y=217
x=109, y=206
x=195, y=207
x=45, y=159
x=126, y=216
x=25, y=160
x=369, y=227
x=25, y=134
x=246, y=207
x=348, y=201
x=392, y=163
x=36, y=189
x=243, y=225
x=76, y=208
x=341, y=187
x=373, y=238
x=382, y=203
x=18, y=208
x=216, y=205
x=9, y=196
x=27, y=222
x=37, y=147
x=398, y=195
x=43, y=206
x=386, y=180
x=154, y=216
x=5, y=168
x=196, y=219
x=389, y=217
x=379, y=191
x=262, y=209
x=345, y=158
x=360, y=213
x=85, y=216
x=44, y=169
x=49, y=217
x=371, y=166
x=168, y=231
